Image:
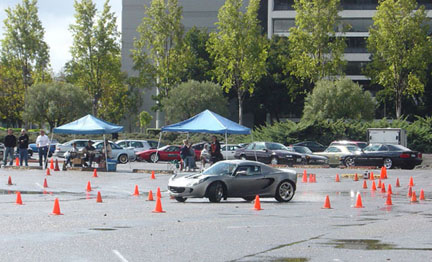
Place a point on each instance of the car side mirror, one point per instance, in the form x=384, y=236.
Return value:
x=241, y=173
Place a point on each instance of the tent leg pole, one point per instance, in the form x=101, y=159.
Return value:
x=49, y=148
x=226, y=144
x=106, y=155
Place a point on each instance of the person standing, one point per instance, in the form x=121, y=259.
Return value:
x=215, y=151
x=184, y=153
x=42, y=142
x=10, y=143
x=23, y=142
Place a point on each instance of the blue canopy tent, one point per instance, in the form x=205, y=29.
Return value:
x=207, y=122
x=88, y=125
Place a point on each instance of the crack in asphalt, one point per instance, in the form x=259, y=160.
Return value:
x=278, y=247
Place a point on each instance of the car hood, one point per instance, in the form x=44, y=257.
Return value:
x=186, y=179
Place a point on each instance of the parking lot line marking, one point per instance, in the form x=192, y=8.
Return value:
x=117, y=253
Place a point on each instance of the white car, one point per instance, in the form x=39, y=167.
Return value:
x=228, y=153
x=138, y=145
x=119, y=153
x=61, y=149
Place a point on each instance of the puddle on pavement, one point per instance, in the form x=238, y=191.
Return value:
x=368, y=244
x=10, y=192
x=102, y=229
x=349, y=225
x=290, y=259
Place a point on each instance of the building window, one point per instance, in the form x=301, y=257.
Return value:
x=355, y=24
x=359, y=4
x=283, y=5
x=355, y=68
x=355, y=45
x=282, y=25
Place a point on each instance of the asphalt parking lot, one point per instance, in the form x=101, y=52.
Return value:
x=123, y=227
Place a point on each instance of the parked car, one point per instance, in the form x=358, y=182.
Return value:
x=2, y=151
x=119, y=153
x=33, y=149
x=235, y=178
x=268, y=152
x=340, y=155
x=166, y=153
x=387, y=155
x=63, y=148
x=312, y=145
x=228, y=151
x=309, y=156
x=138, y=145
x=200, y=146
x=359, y=144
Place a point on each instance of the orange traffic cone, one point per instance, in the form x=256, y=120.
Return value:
x=422, y=197
x=327, y=203
x=45, y=184
x=383, y=190
x=410, y=192
x=9, y=181
x=158, y=193
x=379, y=183
x=413, y=197
x=257, y=205
x=385, y=172
x=152, y=175
x=389, y=190
x=17, y=161
x=372, y=176
x=397, y=182
x=95, y=173
x=337, y=178
x=364, y=184
x=99, y=197
x=314, y=178
x=150, y=196
x=359, y=203
x=355, y=177
x=89, y=186
x=48, y=173
x=18, y=199
x=56, y=210
x=136, y=192
x=158, y=208
x=304, y=178
x=411, y=181
x=52, y=164
x=311, y=176
x=373, y=186
x=389, y=200
x=56, y=166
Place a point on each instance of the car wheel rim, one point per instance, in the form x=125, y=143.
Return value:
x=286, y=190
x=154, y=158
x=219, y=192
x=274, y=161
x=388, y=163
x=349, y=162
x=123, y=159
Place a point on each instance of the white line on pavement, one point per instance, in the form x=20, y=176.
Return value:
x=117, y=253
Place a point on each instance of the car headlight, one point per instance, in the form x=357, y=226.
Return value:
x=198, y=182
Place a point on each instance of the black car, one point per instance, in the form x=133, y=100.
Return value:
x=387, y=155
x=312, y=145
x=309, y=157
x=270, y=153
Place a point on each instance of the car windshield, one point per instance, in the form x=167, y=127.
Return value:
x=221, y=169
x=276, y=146
x=374, y=147
x=353, y=149
x=303, y=149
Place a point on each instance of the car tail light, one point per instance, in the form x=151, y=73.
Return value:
x=419, y=155
x=404, y=155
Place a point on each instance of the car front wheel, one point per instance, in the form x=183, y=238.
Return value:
x=123, y=159
x=215, y=192
x=388, y=163
x=154, y=158
x=285, y=191
x=349, y=161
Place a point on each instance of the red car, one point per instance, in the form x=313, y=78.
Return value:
x=166, y=153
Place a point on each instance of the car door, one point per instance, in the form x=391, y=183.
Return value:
x=250, y=182
x=262, y=153
x=249, y=152
x=333, y=153
x=172, y=153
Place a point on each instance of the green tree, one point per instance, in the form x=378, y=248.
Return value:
x=238, y=49
x=158, y=54
x=144, y=119
x=96, y=60
x=23, y=46
x=316, y=50
x=338, y=99
x=400, y=48
x=11, y=95
x=198, y=62
x=55, y=103
x=193, y=97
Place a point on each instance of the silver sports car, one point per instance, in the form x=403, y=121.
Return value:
x=235, y=178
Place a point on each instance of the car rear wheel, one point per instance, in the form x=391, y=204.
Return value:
x=154, y=158
x=180, y=199
x=349, y=161
x=285, y=191
x=123, y=159
x=249, y=198
x=215, y=192
x=388, y=163
x=274, y=160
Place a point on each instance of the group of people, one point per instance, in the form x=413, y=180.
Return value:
x=90, y=153
x=10, y=142
x=208, y=155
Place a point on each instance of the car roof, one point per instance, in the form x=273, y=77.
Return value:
x=131, y=140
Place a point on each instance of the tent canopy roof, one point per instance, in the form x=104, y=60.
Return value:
x=207, y=122
x=88, y=125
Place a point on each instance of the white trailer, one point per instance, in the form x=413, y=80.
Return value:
x=394, y=136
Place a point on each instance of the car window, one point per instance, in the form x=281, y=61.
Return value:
x=114, y=146
x=81, y=143
x=276, y=146
x=374, y=147
x=251, y=170
x=221, y=169
x=333, y=150
x=172, y=149
x=397, y=148
x=353, y=149
x=136, y=144
x=362, y=145
x=250, y=146
x=383, y=148
x=260, y=146
x=123, y=144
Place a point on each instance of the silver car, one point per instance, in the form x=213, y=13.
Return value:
x=122, y=155
x=235, y=178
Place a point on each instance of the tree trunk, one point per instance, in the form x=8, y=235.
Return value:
x=240, y=106
x=398, y=104
x=94, y=107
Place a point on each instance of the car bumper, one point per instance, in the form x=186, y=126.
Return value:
x=187, y=191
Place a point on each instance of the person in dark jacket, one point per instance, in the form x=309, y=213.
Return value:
x=215, y=150
x=23, y=142
x=10, y=143
x=184, y=153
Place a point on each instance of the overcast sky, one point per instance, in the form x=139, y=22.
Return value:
x=56, y=16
